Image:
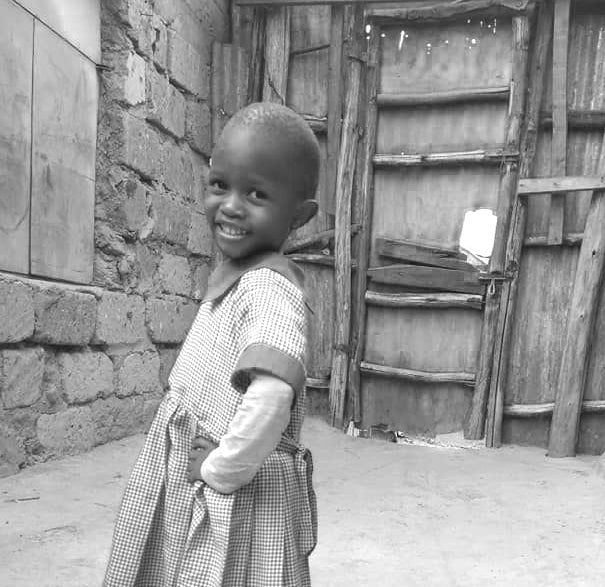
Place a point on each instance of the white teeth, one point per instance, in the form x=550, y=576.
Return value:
x=232, y=230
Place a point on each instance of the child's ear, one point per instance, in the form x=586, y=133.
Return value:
x=304, y=212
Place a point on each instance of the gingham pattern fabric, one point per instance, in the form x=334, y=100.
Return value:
x=171, y=533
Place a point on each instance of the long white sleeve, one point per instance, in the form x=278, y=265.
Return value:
x=253, y=434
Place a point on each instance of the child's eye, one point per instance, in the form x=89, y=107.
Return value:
x=258, y=195
x=218, y=185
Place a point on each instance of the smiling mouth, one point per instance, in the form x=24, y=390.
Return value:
x=231, y=231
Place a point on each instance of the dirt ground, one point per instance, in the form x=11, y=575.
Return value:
x=390, y=515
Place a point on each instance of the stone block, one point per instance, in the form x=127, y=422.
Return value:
x=168, y=357
x=174, y=275
x=134, y=83
x=198, y=129
x=85, y=376
x=169, y=319
x=115, y=418
x=177, y=169
x=187, y=68
x=21, y=376
x=199, y=280
x=12, y=453
x=63, y=316
x=120, y=319
x=134, y=207
x=171, y=219
x=138, y=374
x=166, y=104
x=67, y=432
x=200, y=168
x=160, y=43
x=199, y=239
x=16, y=311
x=142, y=149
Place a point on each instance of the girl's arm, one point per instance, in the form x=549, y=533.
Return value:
x=253, y=434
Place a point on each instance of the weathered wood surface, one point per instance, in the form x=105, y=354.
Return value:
x=580, y=327
x=414, y=375
x=486, y=391
x=258, y=29
x=435, y=300
x=428, y=278
x=442, y=97
x=570, y=239
x=16, y=45
x=342, y=244
x=559, y=115
x=65, y=101
x=229, y=84
x=421, y=255
x=556, y=185
x=577, y=119
x=493, y=157
x=277, y=55
x=533, y=410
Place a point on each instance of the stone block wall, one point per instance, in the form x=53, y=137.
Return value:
x=84, y=364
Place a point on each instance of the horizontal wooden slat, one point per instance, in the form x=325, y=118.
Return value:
x=312, y=49
x=421, y=254
x=319, y=238
x=429, y=278
x=318, y=125
x=558, y=185
x=578, y=119
x=316, y=383
x=491, y=157
x=546, y=409
x=499, y=93
x=436, y=300
x=413, y=375
x=571, y=239
x=327, y=260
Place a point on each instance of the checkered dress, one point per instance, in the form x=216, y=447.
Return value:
x=173, y=533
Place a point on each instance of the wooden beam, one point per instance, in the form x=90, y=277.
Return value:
x=579, y=332
x=499, y=93
x=364, y=211
x=571, y=239
x=463, y=377
x=559, y=116
x=436, y=10
x=577, y=119
x=277, y=51
x=428, y=278
x=257, y=55
x=335, y=102
x=327, y=260
x=318, y=125
x=421, y=255
x=493, y=157
x=316, y=383
x=560, y=185
x=434, y=300
x=342, y=244
x=546, y=409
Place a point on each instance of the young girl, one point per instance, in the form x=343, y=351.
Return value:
x=221, y=494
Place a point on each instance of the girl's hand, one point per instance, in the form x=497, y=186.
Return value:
x=200, y=449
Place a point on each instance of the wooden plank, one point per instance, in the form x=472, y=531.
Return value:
x=277, y=54
x=415, y=375
x=577, y=119
x=256, y=55
x=429, y=278
x=335, y=101
x=321, y=238
x=491, y=157
x=421, y=255
x=65, y=104
x=559, y=114
x=435, y=300
x=546, y=409
x=580, y=325
x=16, y=45
x=439, y=98
x=569, y=239
x=326, y=260
x=560, y=185
x=316, y=383
x=318, y=125
x=342, y=244
x=493, y=321
x=364, y=210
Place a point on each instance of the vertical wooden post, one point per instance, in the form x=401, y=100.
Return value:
x=335, y=99
x=364, y=205
x=277, y=55
x=257, y=56
x=559, y=117
x=491, y=327
x=580, y=326
x=342, y=240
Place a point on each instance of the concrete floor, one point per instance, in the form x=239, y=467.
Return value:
x=390, y=515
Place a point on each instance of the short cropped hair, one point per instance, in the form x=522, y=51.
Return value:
x=286, y=123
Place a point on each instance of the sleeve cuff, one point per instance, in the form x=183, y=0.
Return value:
x=270, y=360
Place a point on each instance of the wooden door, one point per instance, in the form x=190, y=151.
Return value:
x=443, y=101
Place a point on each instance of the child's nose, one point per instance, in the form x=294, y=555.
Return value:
x=232, y=205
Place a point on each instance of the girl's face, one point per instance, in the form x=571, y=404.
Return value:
x=254, y=192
